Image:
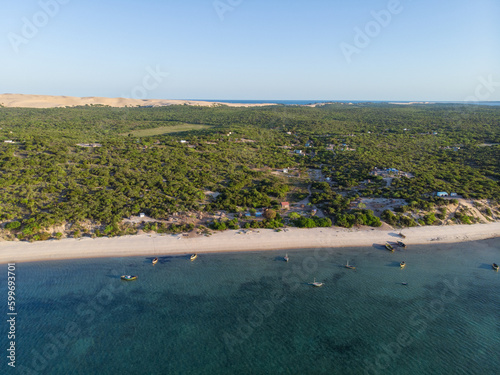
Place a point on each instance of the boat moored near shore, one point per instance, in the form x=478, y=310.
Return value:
x=316, y=283
x=349, y=266
x=128, y=277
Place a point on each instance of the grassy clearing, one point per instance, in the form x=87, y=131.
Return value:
x=167, y=129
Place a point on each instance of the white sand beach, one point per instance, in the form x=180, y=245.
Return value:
x=263, y=239
x=48, y=101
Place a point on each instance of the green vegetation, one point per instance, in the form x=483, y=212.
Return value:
x=140, y=165
x=167, y=130
x=313, y=222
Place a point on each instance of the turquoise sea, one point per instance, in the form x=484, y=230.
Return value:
x=253, y=313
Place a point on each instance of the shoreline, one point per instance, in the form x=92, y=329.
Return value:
x=237, y=241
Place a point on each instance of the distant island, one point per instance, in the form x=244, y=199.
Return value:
x=79, y=167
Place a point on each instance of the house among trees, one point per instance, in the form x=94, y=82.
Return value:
x=285, y=205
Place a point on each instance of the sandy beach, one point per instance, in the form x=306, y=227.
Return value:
x=48, y=101
x=263, y=239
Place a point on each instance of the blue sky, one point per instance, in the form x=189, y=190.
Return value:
x=252, y=49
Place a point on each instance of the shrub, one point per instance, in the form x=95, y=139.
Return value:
x=270, y=214
x=44, y=236
x=442, y=214
x=389, y=217
x=219, y=225
x=233, y=224
x=13, y=225
x=429, y=219
x=313, y=222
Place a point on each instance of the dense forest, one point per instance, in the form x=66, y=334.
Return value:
x=101, y=165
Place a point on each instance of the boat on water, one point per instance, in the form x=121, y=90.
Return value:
x=128, y=277
x=402, y=244
x=389, y=247
x=495, y=266
x=286, y=258
x=194, y=256
x=404, y=283
x=349, y=266
x=154, y=261
x=402, y=264
x=316, y=283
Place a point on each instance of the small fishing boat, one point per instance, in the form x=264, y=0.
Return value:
x=194, y=256
x=404, y=283
x=402, y=264
x=316, y=283
x=402, y=235
x=495, y=266
x=402, y=244
x=286, y=258
x=389, y=247
x=154, y=261
x=128, y=277
x=350, y=267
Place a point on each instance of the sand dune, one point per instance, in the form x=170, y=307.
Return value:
x=264, y=239
x=47, y=101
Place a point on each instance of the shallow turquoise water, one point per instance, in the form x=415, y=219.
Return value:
x=253, y=313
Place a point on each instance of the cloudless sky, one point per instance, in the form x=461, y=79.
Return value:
x=251, y=49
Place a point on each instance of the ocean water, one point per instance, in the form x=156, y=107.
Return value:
x=253, y=313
